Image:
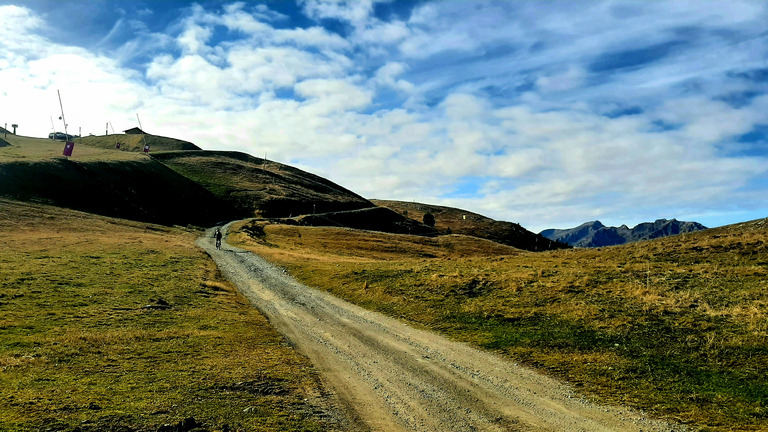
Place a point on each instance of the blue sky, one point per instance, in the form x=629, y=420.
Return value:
x=545, y=113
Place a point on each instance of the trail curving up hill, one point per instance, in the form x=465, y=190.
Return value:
x=393, y=377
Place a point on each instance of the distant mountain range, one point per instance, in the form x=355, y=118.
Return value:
x=595, y=234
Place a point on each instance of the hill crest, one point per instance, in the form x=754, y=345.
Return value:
x=449, y=220
x=258, y=187
x=135, y=142
x=174, y=188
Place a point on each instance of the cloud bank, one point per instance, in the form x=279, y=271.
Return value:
x=543, y=113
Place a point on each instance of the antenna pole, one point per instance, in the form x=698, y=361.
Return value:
x=113, y=132
x=143, y=139
x=69, y=145
x=62, y=116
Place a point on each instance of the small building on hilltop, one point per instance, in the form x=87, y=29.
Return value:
x=134, y=131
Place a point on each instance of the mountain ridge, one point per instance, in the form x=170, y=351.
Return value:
x=595, y=234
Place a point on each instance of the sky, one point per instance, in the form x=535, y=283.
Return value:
x=545, y=113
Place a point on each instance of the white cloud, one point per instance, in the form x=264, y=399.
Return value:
x=311, y=37
x=503, y=97
x=17, y=32
x=709, y=121
x=382, y=33
x=460, y=106
x=423, y=44
x=331, y=96
x=193, y=39
x=567, y=80
x=355, y=12
x=236, y=18
x=387, y=76
x=516, y=164
x=544, y=163
x=440, y=28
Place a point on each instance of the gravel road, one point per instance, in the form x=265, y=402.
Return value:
x=392, y=377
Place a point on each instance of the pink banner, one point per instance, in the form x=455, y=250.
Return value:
x=68, y=148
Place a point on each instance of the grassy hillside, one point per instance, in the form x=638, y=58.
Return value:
x=139, y=189
x=347, y=245
x=259, y=187
x=110, y=325
x=172, y=187
x=372, y=219
x=104, y=181
x=450, y=220
x=676, y=326
x=204, y=187
x=135, y=143
x=37, y=149
x=176, y=187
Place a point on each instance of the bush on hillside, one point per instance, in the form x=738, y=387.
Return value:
x=429, y=220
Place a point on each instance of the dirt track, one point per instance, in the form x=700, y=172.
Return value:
x=392, y=377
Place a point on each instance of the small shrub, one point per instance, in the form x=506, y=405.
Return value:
x=429, y=220
x=255, y=230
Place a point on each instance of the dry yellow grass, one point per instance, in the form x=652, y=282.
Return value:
x=676, y=326
x=107, y=324
x=36, y=149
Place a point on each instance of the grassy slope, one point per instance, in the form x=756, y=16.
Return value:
x=259, y=187
x=85, y=343
x=136, y=189
x=39, y=149
x=458, y=221
x=135, y=143
x=172, y=187
x=677, y=326
x=107, y=182
x=373, y=219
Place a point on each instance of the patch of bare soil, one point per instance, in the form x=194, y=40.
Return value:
x=392, y=377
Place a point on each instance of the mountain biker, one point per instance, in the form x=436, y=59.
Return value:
x=217, y=235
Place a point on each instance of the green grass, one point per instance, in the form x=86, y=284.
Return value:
x=136, y=142
x=36, y=149
x=676, y=326
x=114, y=325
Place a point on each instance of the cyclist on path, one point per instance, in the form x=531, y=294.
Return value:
x=217, y=235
